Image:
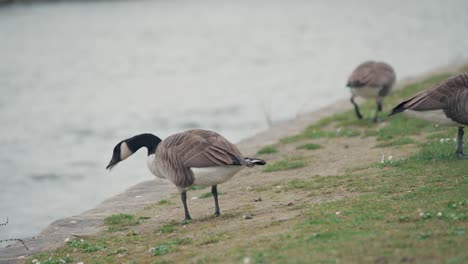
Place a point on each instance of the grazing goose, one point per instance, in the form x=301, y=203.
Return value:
x=194, y=157
x=371, y=80
x=446, y=103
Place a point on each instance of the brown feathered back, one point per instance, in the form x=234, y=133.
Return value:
x=195, y=149
x=373, y=74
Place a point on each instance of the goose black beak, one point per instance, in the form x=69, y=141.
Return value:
x=111, y=164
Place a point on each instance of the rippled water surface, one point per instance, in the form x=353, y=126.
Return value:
x=77, y=77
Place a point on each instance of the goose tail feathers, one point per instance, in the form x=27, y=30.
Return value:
x=254, y=161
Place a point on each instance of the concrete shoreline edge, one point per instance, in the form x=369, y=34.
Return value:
x=136, y=197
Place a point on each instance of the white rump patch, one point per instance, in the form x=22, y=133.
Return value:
x=367, y=92
x=125, y=152
x=214, y=175
x=435, y=116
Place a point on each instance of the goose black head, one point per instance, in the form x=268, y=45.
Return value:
x=127, y=147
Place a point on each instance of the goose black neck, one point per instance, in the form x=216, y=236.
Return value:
x=147, y=140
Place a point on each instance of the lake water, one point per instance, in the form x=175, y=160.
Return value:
x=77, y=77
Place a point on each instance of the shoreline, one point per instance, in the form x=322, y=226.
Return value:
x=136, y=197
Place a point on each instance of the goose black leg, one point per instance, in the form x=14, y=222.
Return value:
x=379, y=109
x=356, y=108
x=214, y=191
x=460, y=143
x=183, y=197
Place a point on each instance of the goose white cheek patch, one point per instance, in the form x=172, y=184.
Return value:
x=125, y=152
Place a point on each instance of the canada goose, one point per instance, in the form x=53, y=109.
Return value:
x=194, y=157
x=371, y=80
x=446, y=103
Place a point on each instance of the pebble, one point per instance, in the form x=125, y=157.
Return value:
x=290, y=204
x=259, y=199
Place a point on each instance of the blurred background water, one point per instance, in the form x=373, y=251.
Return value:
x=77, y=77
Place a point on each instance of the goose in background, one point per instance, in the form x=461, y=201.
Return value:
x=194, y=157
x=371, y=80
x=446, y=103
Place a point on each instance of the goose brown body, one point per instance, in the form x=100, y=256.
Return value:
x=179, y=153
x=371, y=80
x=372, y=74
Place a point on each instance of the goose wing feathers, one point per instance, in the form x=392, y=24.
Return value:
x=437, y=97
x=200, y=148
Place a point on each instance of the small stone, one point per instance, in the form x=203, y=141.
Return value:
x=249, y=188
x=337, y=213
x=290, y=204
x=246, y=260
x=439, y=214
x=139, y=196
x=259, y=199
x=35, y=261
x=67, y=239
x=73, y=221
x=247, y=216
x=279, y=187
x=20, y=257
x=346, y=146
x=81, y=262
x=194, y=198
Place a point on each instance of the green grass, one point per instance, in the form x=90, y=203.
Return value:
x=267, y=150
x=396, y=142
x=164, y=202
x=208, y=195
x=287, y=164
x=168, y=246
x=309, y=146
x=196, y=188
x=85, y=246
x=168, y=228
x=121, y=222
x=313, y=132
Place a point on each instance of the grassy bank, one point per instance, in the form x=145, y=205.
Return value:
x=342, y=191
